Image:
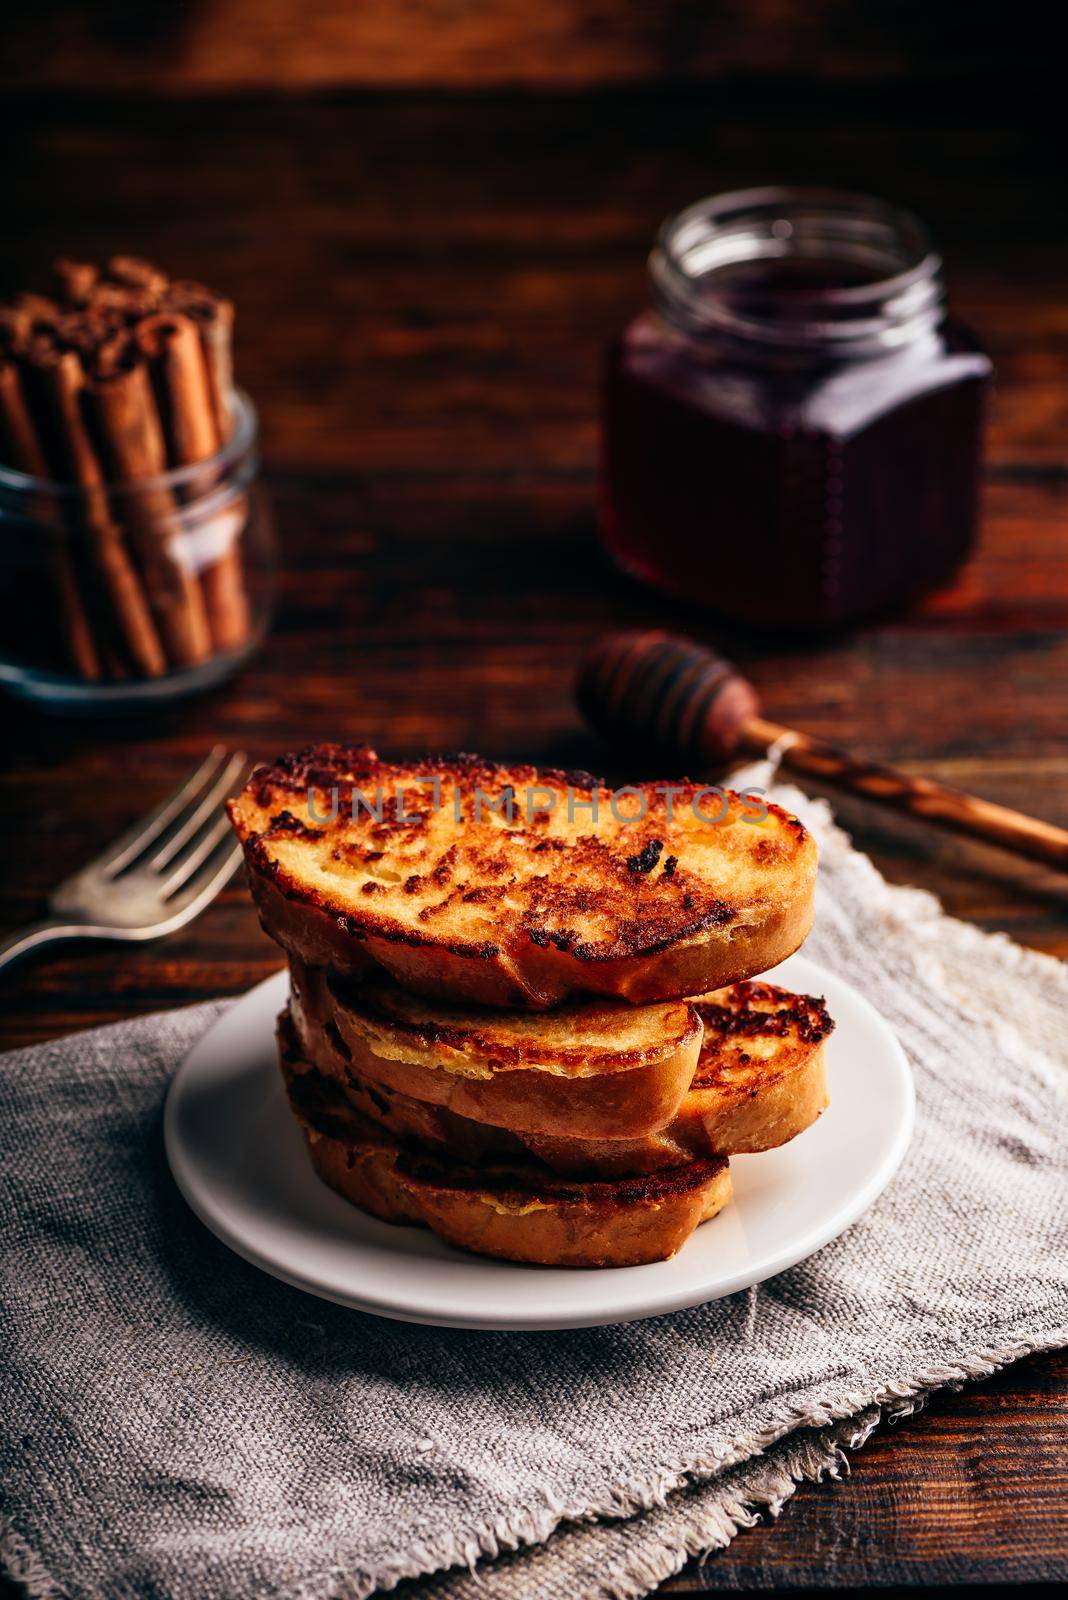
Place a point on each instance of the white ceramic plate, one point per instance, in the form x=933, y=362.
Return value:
x=239, y=1159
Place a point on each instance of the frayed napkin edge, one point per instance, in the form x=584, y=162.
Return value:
x=889, y=1403
x=533, y=1526
x=714, y=1527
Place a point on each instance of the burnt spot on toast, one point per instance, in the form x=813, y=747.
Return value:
x=647, y=857
x=284, y=825
x=736, y=1018
x=762, y=1008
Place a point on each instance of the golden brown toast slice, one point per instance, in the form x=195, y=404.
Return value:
x=761, y=1076
x=592, y=1069
x=498, y=885
x=760, y=1080
x=518, y=1212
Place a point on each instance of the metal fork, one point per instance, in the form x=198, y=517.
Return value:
x=153, y=878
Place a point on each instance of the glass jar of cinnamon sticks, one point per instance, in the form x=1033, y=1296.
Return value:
x=136, y=549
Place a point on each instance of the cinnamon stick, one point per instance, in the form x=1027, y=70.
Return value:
x=21, y=446
x=76, y=629
x=112, y=305
x=37, y=309
x=76, y=280
x=136, y=273
x=172, y=343
x=123, y=409
x=14, y=328
x=61, y=381
x=214, y=318
x=23, y=450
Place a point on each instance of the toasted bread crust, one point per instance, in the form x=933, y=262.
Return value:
x=761, y=1077
x=585, y=1038
x=578, y=1093
x=516, y=1213
x=760, y=1080
x=648, y=901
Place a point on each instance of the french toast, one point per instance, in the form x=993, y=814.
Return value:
x=760, y=1078
x=516, y=887
x=515, y=1212
x=593, y=1069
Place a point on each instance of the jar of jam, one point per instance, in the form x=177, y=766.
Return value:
x=792, y=437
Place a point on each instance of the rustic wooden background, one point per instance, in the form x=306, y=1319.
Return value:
x=185, y=46
x=432, y=215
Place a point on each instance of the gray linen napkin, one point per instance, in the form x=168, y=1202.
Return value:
x=175, y=1425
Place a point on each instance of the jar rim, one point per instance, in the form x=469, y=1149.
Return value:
x=242, y=439
x=901, y=298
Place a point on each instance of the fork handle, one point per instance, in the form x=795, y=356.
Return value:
x=23, y=940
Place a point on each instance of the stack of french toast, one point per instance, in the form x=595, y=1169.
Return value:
x=521, y=1010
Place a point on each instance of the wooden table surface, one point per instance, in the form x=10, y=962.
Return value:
x=424, y=284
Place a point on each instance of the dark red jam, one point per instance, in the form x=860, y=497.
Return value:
x=793, y=437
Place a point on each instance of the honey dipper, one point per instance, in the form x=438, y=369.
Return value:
x=683, y=698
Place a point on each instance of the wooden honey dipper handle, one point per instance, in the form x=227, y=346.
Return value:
x=681, y=697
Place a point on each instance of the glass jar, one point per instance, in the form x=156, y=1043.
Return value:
x=120, y=596
x=792, y=437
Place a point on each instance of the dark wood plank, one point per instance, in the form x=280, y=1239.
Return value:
x=944, y=1499
x=237, y=44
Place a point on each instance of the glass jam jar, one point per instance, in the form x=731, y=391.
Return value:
x=792, y=438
